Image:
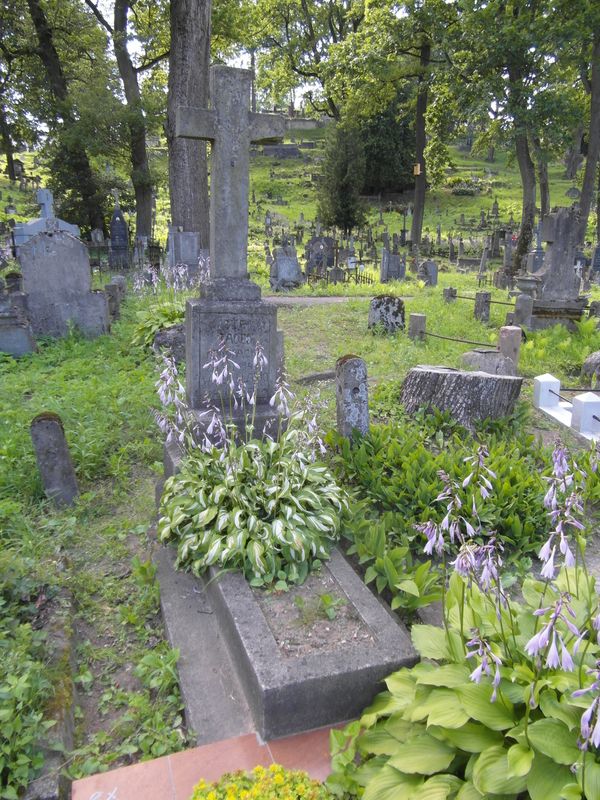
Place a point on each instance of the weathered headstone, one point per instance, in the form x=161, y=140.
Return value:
x=47, y=222
x=523, y=310
x=285, y=273
x=118, y=257
x=482, y=306
x=16, y=336
x=392, y=268
x=352, y=396
x=428, y=272
x=53, y=459
x=186, y=255
x=450, y=294
x=491, y=361
x=230, y=310
x=417, y=326
x=509, y=342
x=386, y=312
x=57, y=282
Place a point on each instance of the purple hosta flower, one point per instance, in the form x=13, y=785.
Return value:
x=481, y=472
x=309, y=433
x=203, y=269
x=546, y=640
x=590, y=719
x=433, y=534
x=283, y=395
x=223, y=366
x=480, y=563
x=260, y=360
x=489, y=661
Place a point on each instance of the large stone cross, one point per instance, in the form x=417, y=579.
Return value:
x=230, y=126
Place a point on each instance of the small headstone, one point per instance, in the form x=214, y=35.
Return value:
x=482, y=306
x=428, y=272
x=171, y=339
x=491, y=361
x=386, y=313
x=450, y=294
x=509, y=342
x=97, y=236
x=53, y=459
x=16, y=336
x=352, y=397
x=495, y=208
x=417, y=326
x=523, y=310
x=285, y=269
x=118, y=257
x=573, y=193
x=113, y=297
x=451, y=249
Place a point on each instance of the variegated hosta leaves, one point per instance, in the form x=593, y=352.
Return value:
x=258, y=507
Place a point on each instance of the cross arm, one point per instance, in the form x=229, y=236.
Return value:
x=195, y=123
x=266, y=126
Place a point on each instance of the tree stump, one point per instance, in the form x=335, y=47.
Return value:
x=469, y=396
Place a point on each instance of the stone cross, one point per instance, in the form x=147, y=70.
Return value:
x=230, y=126
x=115, y=194
x=46, y=201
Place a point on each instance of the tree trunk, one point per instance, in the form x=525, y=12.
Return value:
x=140, y=174
x=468, y=396
x=491, y=154
x=573, y=154
x=189, y=62
x=420, y=142
x=589, y=175
x=542, y=172
x=70, y=147
x=7, y=144
x=598, y=205
x=527, y=171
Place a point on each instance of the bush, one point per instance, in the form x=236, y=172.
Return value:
x=340, y=204
x=272, y=783
x=155, y=318
x=389, y=145
x=260, y=506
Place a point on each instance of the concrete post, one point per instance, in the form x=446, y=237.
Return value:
x=352, y=398
x=523, y=310
x=509, y=342
x=416, y=326
x=113, y=296
x=482, y=306
x=450, y=294
x=53, y=459
x=586, y=413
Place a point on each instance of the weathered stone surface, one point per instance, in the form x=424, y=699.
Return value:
x=118, y=256
x=47, y=222
x=523, y=310
x=113, y=297
x=468, y=396
x=16, y=336
x=172, y=340
x=352, y=396
x=417, y=326
x=491, y=361
x=289, y=695
x=591, y=368
x=53, y=459
x=428, y=272
x=58, y=283
x=450, y=294
x=482, y=306
x=509, y=342
x=393, y=266
x=387, y=313
x=285, y=269
x=559, y=280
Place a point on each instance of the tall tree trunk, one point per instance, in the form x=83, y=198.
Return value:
x=7, y=144
x=542, y=173
x=189, y=62
x=589, y=175
x=598, y=205
x=491, y=154
x=573, y=154
x=70, y=148
x=140, y=174
x=420, y=142
x=527, y=171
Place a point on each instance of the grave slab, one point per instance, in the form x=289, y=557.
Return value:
x=288, y=695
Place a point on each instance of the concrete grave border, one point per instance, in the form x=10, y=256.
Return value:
x=290, y=695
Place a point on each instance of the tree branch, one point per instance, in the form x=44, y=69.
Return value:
x=153, y=62
x=99, y=16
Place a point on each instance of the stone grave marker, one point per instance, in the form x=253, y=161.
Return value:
x=387, y=313
x=428, y=272
x=57, y=283
x=23, y=232
x=352, y=396
x=230, y=309
x=118, y=257
x=285, y=272
x=186, y=254
x=16, y=336
x=53, y=459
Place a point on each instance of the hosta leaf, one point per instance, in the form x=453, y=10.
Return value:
x=476, y=700
x=552, y=707
x=444, y=708
x=552, y=738
x=449, y=675
x=519, y=760
x=423, y=754
x=490, y=773
x=205, y=517
x=547, y=779
x=408, y=586
x=430, y=641
x=473, y=737
x=468, y=792
x=439, y=787
x=389, y=784
x=379, y=742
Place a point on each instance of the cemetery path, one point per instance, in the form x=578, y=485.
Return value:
x=304, y=301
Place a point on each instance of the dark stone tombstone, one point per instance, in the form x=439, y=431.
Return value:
x=596, y=259
x=53, y=459
x=119, y=240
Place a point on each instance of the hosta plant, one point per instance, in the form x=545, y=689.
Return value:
x=259, y=506
x=155, y=318
x=506, y=700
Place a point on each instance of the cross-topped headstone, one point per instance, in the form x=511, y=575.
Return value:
x=230, y=126
x=46, y=203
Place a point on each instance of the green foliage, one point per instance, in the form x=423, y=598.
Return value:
x=270, y=783
x=155, y=318
x=24, y=685
x=389, y=151
x=566, y=350
x=436, y=733
x=261, y=507
x=394, y=470
x=343, y=178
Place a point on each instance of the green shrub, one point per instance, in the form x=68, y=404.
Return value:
x=155, y=318
x=270, y=783
x=260, y=506
x=558, y=350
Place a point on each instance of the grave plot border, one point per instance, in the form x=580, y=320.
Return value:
x=290, y=695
